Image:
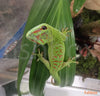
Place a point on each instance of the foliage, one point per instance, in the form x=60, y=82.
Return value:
x=88, y=16
x=56, y=13
x=86, y=66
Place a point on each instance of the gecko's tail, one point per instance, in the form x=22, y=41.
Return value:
x=55, y=80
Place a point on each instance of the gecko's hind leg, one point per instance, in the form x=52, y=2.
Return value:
x=67, y=64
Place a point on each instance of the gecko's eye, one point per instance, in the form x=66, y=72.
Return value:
x=44, y=27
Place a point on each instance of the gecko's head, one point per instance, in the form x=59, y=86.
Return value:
x=40, y=34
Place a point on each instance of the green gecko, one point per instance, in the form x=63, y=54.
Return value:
x=46, y=34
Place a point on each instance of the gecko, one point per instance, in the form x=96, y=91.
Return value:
x=46, y=34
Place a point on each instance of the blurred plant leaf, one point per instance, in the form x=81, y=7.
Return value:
x=69, y=1
x=92, y=5
x=60, y=17
x=77, y=5
x=38, y=74
x=56, y=13
x=36, y=16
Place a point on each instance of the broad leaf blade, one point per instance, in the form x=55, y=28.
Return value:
x=38, y=76
x=56, y=13
x=37, y=12
x=60, y=17
x=69, y=1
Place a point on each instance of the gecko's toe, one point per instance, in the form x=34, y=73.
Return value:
x=41, y=53
x=62, y=30
x=66, y=29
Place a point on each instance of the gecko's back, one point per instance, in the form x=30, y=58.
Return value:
x=56, y=51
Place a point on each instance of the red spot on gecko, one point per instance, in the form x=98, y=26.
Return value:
x=56, y=47
x=37, y=31
x=60, y=61
x=46, y=35
x=43, y=34
x=55, y=64
x=60, y=56
x=54, y=67
x=59, y=65
x=34, y=41
x=56, y=51
x=38, y=36
x=55, y=56
x=57, y=61
x=41, y=40
x=61, y=50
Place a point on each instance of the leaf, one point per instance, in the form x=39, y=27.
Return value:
x=77, y=5
x=60, y=17
x=56, y=13
x=38, y=76
x=69, y=1
x=36, y=16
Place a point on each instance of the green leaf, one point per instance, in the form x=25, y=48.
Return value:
x=36, y=16
x=69, y=1
x=38, y=76
x=77, y=5
x=56, y=13
x=60, y=17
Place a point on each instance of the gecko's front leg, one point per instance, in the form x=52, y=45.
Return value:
x=65, y=31
x=43, y=60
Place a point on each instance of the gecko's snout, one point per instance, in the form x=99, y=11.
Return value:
x=28, y=35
